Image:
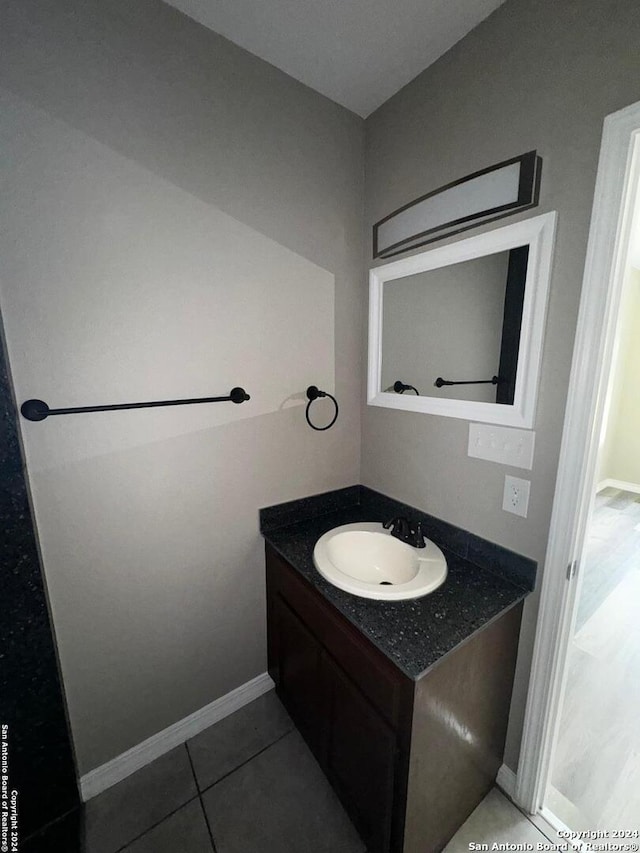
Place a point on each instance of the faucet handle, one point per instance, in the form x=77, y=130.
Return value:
x=419, y=537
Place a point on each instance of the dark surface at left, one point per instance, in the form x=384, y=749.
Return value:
x=40, y=758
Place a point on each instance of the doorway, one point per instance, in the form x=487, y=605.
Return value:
x=578, y=751
x=595, y=768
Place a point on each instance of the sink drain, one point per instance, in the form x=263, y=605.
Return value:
x=385, y=583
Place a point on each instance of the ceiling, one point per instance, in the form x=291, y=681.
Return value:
x=356, y=52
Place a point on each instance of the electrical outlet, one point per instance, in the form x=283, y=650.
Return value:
x=516, y=496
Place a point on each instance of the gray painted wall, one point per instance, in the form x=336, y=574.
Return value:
x=446, y=322
x=534, y=75
x=119, y=115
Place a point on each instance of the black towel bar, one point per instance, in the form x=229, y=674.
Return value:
x=493, y=381
x=38, y=410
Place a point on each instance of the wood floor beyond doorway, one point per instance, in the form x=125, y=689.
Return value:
x=596, y=775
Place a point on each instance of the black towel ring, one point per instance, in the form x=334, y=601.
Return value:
x=312, y=394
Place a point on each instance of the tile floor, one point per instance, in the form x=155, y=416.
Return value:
x=250, y=785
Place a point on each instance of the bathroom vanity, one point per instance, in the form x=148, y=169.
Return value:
x=404, y=704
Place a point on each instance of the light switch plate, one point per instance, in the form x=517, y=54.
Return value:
x=516, y=496
x=506, y=445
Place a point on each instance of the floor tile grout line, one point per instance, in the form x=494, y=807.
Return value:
x=193, y=769
x=33, y=836
x=157, y=823
x=244, y=763
x=543, y=834
x=206, y=820
x=200, y=792
x=524, y=813
x=204, y=811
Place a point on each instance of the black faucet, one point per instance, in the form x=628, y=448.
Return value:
x=405, y=532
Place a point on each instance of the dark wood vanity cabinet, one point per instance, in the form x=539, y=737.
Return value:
x=409, y=759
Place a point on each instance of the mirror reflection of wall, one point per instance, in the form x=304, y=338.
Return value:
x=460, y=323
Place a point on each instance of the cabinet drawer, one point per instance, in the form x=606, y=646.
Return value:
x=385, y=687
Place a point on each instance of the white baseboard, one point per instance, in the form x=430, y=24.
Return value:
x=144, y=753
x=506, y=779
x=623, y=485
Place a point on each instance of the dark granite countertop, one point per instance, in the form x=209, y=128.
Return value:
x=484, y=580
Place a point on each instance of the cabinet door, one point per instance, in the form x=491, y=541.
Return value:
x=361, y=761
x=301, y=680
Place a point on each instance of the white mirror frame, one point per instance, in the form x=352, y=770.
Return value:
x=538, y=233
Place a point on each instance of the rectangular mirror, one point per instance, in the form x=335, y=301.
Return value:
x=457, y=330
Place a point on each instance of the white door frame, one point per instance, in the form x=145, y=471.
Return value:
x=618, y=173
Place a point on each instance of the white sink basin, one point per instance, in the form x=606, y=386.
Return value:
x=366, y=560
